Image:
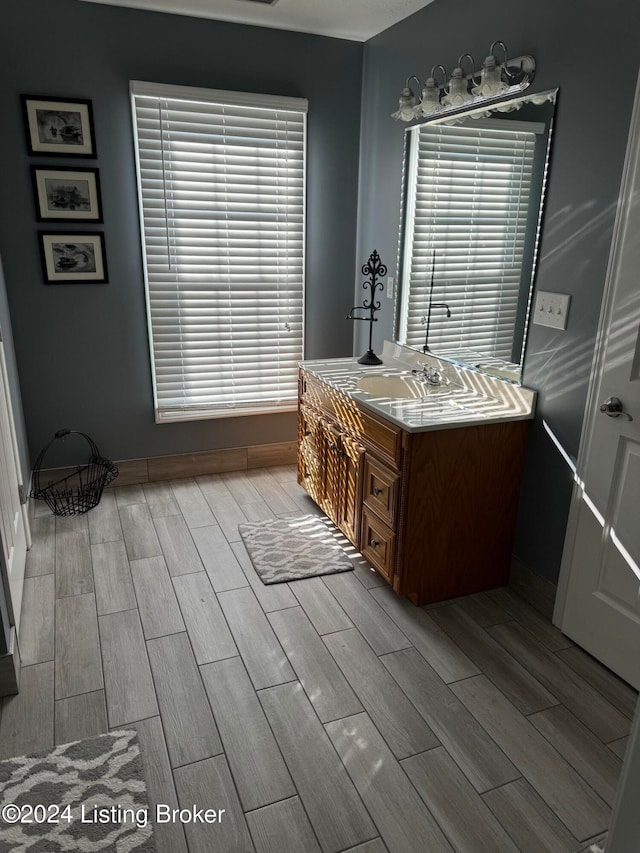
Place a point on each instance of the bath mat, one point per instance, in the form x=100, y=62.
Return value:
x=289, y=549
x=89, y=795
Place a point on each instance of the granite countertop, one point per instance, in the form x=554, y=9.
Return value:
x=464, y=398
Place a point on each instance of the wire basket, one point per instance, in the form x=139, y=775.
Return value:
x=78, y=491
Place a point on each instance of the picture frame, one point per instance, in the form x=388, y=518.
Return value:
x=76, y=257
x=59, y=126
x=67, y=195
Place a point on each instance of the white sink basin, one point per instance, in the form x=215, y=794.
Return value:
x=399, y=387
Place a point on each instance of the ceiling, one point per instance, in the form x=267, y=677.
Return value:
x=357, y=20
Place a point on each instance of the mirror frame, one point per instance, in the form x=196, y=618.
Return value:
x=510, y=104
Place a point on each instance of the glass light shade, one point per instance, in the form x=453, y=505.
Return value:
x=479, y=114
x=430, y=102
x=508, y=107
x=458, y=93
x=406, y=106
x=491, y=82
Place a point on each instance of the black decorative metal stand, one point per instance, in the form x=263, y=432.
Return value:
x=373, y=268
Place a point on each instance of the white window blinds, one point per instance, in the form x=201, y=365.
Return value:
x=467, y=206
x=222, y=199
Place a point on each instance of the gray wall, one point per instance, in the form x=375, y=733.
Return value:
x=590, y=135
x=82, y=351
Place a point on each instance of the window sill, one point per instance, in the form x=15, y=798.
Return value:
x=169, y=416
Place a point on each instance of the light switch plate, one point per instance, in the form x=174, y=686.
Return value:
x=551, y=309
x=389, y=287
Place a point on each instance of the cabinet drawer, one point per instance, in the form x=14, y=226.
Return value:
x=381, y=490
x=378, y=544
x=314, y=392
x=381, y=436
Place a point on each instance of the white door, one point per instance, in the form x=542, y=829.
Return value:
x=601, y=563
x=14, y=530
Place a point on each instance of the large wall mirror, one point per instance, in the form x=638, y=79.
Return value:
x=472, y=205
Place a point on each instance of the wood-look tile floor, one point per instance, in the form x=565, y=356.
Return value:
x=322, y=715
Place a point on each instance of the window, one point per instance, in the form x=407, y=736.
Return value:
x=470, y=235
x=221, y=178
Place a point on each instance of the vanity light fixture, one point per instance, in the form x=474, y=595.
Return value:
x=498, y=78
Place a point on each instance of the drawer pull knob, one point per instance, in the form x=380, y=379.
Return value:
x=374, y=543
x=377, y=492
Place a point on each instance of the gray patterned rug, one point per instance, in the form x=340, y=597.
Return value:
x=87, y=797
x=289, y=549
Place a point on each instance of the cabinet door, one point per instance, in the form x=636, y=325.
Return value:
x=341, y=489
x=311, y=454
x=333, y=470
x=352, y=460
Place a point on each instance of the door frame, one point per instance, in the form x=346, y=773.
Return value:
x=13, y=438
x=624, y=828
x=630, y=184
x=16, y=448
x=625, y=819
x=10, y=658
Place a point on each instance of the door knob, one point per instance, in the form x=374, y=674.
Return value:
x=612, y=407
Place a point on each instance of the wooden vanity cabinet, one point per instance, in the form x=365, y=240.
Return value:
x=433, y=512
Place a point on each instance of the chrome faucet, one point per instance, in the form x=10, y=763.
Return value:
x=430, y=375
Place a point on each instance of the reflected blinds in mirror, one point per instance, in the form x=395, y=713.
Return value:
x=466, y=222
x=222, y=196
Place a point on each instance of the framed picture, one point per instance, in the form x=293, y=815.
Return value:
x=66, y=195
x=73, y=258
x=56, y=126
